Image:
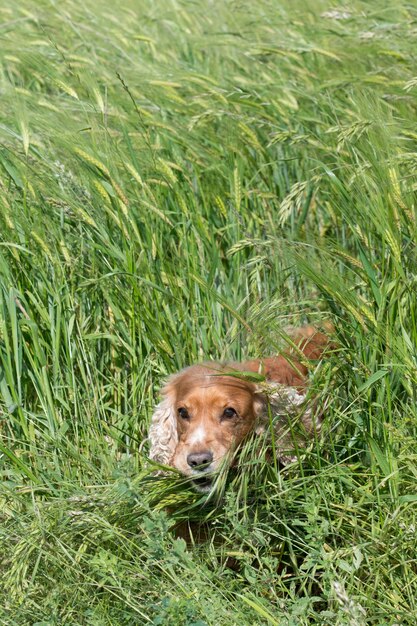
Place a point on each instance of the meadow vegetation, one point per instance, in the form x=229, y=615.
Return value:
x=184, y=180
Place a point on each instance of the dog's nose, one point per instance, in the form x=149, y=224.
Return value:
x=198, y=460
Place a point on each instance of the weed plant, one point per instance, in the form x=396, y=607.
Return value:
x=183, y=181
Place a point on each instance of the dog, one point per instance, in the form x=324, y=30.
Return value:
x=209, y=409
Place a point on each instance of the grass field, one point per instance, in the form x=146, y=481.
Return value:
x=183, y=180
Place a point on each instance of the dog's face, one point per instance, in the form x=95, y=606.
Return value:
x=207, y=410
x=212, y=414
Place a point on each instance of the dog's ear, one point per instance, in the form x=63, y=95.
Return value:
x=259, y=403
x=163, y=433
x=291, y=417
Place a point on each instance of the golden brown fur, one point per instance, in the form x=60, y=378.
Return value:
x=208, y=410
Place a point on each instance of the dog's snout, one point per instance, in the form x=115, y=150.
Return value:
x=197, y=460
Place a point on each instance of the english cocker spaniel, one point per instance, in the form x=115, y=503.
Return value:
x=209, y=409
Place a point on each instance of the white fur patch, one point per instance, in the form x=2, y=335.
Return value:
x=198, y=436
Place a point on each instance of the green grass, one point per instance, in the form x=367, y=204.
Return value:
x=184, y=180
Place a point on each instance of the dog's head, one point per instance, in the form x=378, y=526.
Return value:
x=206, y=413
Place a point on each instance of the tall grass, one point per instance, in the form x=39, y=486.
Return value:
x=181, y=181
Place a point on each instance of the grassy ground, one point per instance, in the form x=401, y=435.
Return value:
x=181, y=180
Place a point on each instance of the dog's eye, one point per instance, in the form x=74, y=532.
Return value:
x=183, y=413
x=229, y=412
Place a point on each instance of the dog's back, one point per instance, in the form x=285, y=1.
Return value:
x=291, y=367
